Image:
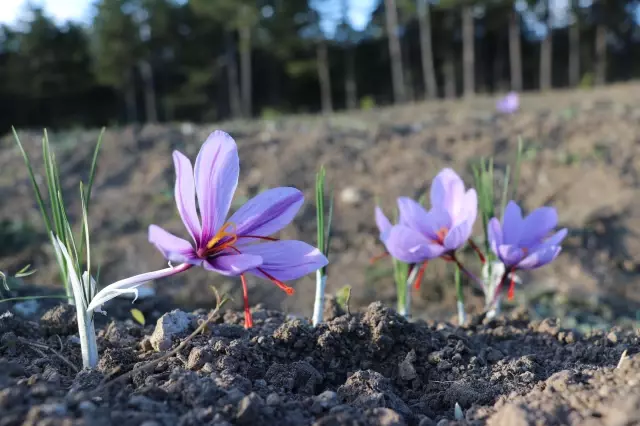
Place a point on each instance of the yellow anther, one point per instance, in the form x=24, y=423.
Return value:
x=223, y=233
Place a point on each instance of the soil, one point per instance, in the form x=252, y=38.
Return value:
x=370, y=368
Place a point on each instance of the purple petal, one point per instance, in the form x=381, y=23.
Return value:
x=556, y=238
x=458, y=236
x=232, y=264
x=436, y=221
x=267, y=212
x=413, y=215
x=286, y=260
x=511, y=224
x=186, y=196
x=173, y=248
x=510, y=255
x=468, y=210
x=447, y=191
x=537, y=225
x=494, y=232
x=540, y=257
x=217, y=169
x=383, y=223
x=409, y=246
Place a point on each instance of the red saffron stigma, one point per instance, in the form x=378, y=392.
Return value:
x=259, y=237
x=374, y=259
x=475, y=248
x=248, y=320
x=283, y=286
x=512, y=288
x=420, y=275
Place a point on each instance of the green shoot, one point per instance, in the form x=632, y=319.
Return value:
x=54, y=214
x=324, y=239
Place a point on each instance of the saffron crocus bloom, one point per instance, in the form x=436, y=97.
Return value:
x=509, y=104
x=525, y=243
x=383, y=223
x=242, y=243
x=421, y=235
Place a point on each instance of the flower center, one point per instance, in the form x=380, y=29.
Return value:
x=441, y=234
x=224, y=238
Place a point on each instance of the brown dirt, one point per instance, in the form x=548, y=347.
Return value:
x=372, y=368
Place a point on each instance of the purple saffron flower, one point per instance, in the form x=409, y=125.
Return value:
x=509, y=104
x=524, y=243
x=422, y=235
x=383, y=223
x=229, y=246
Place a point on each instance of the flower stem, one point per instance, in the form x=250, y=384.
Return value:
x=318, y=305
x=462, y=318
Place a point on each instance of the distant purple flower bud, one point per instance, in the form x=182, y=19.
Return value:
x=421, y=235
x=509, y=104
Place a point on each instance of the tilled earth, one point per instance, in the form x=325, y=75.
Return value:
x=369, y=368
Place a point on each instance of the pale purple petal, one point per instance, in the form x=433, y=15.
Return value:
x=128, y=285
x=494, y=232
x=232, y=264
x=412, y=215
x=510, y=255
x=409, y=246
x=383, y=223
x=173, y=248
x=267, y=212
x=556, y=238
x=540, y=257
x=512, y=224
x=186, y=196
x=447, y=191
x=217, y=169
x=458, y=236
x=537, y=225
x=469, y=208
x=286, y=260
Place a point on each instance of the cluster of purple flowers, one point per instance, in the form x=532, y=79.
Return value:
x=421, y=235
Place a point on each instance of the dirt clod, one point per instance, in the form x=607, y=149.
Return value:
x=169, y=326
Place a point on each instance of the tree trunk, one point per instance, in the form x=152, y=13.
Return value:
x=244, y=34
x=130, y=97
x=232, y=77
x=350, y=87
x=151, y=110
x=515, y=52
x=468, y=48
x=426, y=50
x=395, y=53
x=449, y=74
x=600, y=74
x=546, y=52
x=574, y=54
x=498, y=82
x=324, y=77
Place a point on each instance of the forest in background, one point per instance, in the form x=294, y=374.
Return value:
x=208, y=60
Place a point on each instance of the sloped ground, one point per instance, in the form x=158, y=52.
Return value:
x=581, y=155
x=368, y=369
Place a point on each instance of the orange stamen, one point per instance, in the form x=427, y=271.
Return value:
x=441, y=234
x=248, y=320
x=420, y=274
x=283, y=286
x=221, y=234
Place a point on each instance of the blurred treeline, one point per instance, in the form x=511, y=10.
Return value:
x=204, y=60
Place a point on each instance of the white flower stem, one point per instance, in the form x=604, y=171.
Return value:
x=87, y=333
x=405, y=310
x=318, y=305
x=462, y=316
